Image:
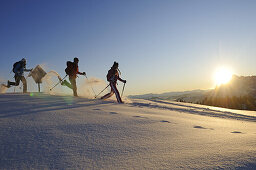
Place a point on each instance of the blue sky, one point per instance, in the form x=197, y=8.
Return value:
x=161, y=45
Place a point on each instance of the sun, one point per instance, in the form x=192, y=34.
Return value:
x=222, y=76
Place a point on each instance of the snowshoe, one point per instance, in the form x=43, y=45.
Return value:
x=7, y=86
x=64, y=83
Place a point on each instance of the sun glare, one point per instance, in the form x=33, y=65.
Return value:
x=222, y=76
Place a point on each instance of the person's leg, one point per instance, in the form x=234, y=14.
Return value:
x=73, y=83
x=17, y=81
x=108, y=95
x=24, y=82
x=113, y=86
x=66, y=83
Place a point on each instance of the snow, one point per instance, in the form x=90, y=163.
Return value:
x=41, y=131
x=3, y=88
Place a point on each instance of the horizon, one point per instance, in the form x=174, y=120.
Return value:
x=161, y=46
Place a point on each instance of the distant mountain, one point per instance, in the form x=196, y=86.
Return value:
x=238, y=86
x=239, y=93
x=189, y=96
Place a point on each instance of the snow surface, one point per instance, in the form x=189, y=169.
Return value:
x=40, y=131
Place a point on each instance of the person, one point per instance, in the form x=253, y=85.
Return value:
x=112, y=77
x=72, y=71
x=19, y=68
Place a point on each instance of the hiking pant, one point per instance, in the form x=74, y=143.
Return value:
x=17, y=82
x=113, y=90
x=71, y=85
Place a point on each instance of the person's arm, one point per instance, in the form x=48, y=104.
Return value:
x=83, y=73
x=118, y=78
x=25, y=69
x=28, y=69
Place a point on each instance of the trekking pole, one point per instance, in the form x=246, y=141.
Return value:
x=91, y=86
x=58, y=83
x=123, y=90
x=101, y=91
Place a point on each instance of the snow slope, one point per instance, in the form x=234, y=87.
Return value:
x=39, y=131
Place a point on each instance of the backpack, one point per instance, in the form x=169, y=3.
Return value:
x=15, y=65
x=111, y=75
x=70, y=70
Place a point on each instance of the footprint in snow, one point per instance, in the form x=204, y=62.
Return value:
x=113, y=113
x=199, y=127
x=95, y=109
x=165, y=121
x=140, y=117
x=235, y=132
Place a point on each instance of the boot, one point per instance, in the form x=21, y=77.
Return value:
x=8, y=84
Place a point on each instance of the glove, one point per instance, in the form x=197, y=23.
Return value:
x=124, y=81
x=84, y=73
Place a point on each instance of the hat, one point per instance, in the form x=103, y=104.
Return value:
x=76, y=59
x=23, y=60
x=115, y=64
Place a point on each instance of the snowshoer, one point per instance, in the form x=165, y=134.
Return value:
x=72, y=71
x=19, y=68
x=112, y=77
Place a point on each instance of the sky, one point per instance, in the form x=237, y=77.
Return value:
x=160, y=45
